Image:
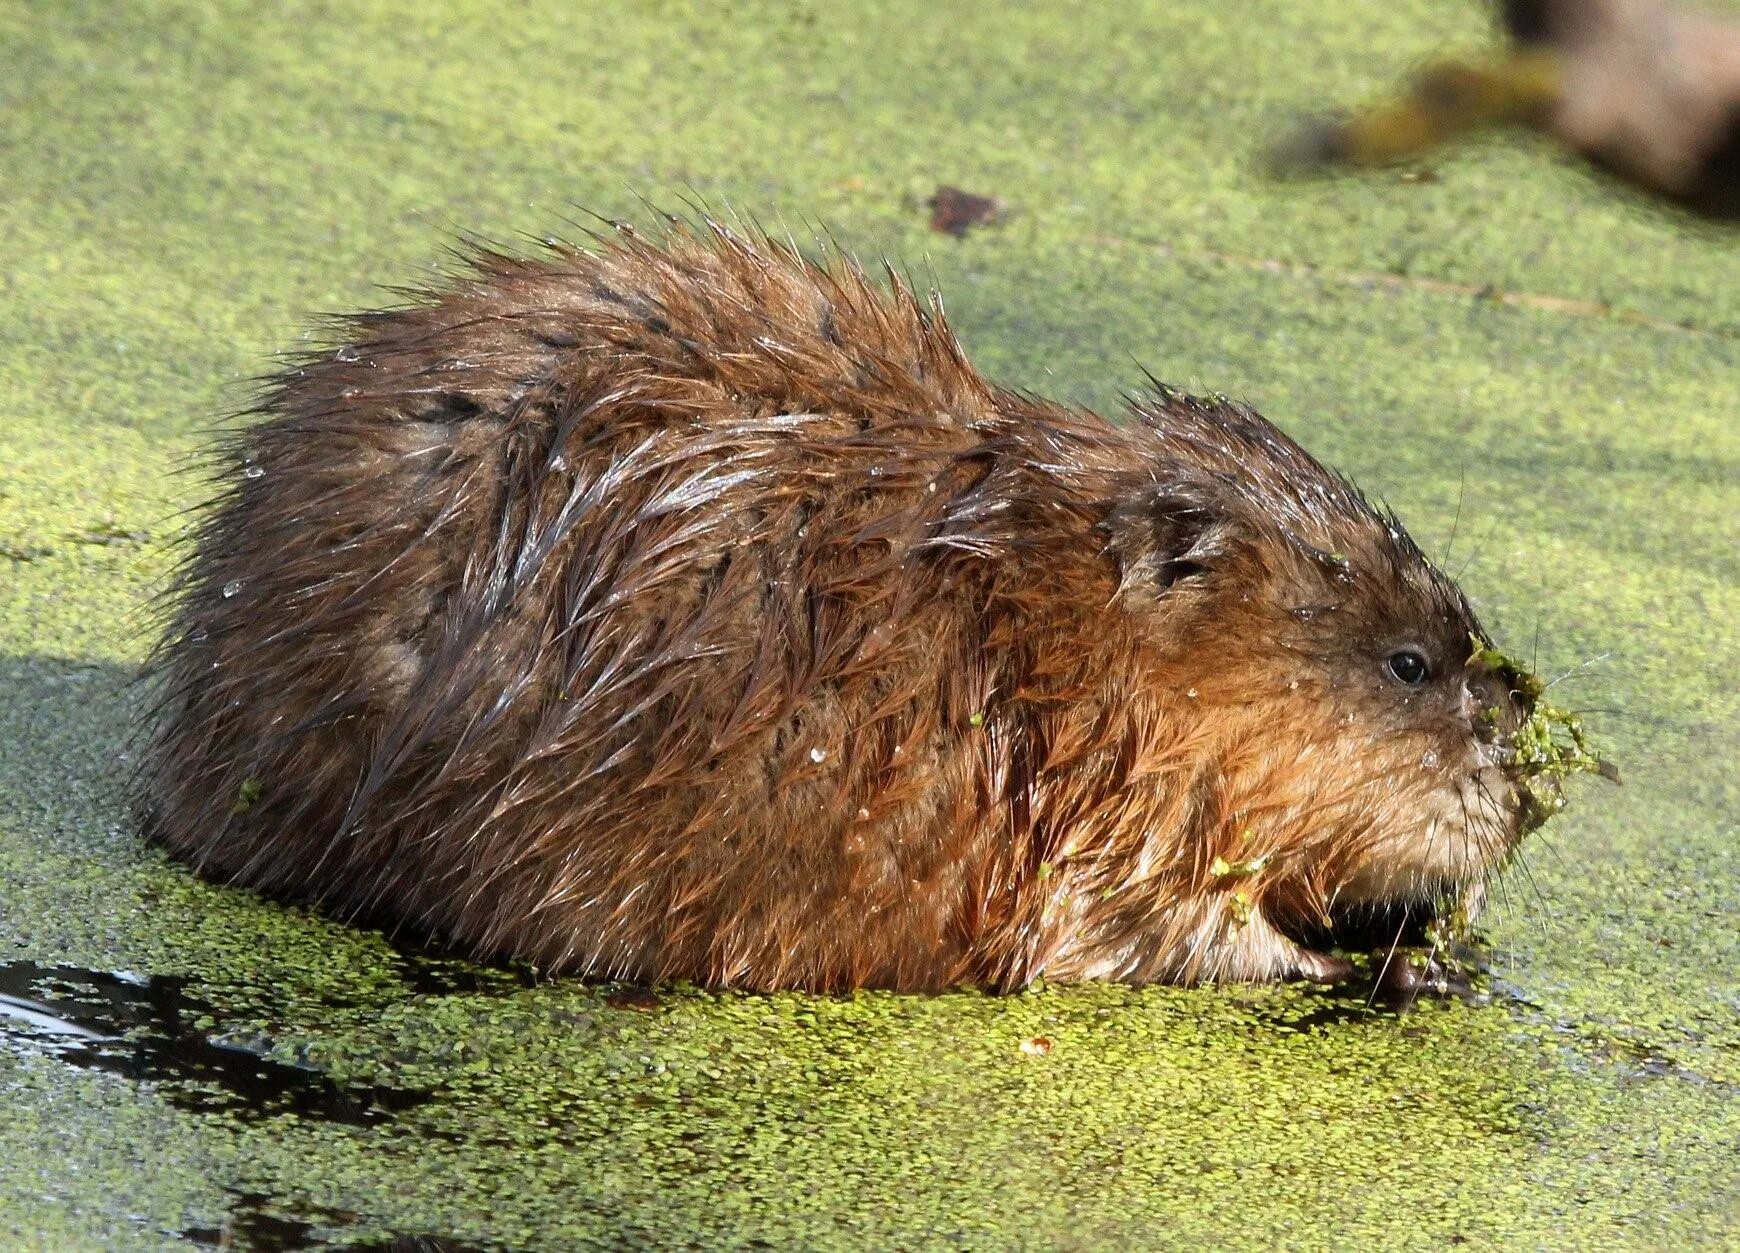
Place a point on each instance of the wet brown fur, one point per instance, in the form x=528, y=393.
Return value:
x=685, y=608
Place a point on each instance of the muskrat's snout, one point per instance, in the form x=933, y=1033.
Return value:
x=1500, y=698
x=1497, y=700
x=1533, y=745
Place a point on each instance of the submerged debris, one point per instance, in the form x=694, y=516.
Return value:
x=642, y=1000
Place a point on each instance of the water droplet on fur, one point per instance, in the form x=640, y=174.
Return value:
x=558, y=462
x=818, y=755
x=1429, y=760
x=930, y=487
x=1191, y=693
x=347, y=353
x=863, y=814
x=232, y=587
x=254, y=472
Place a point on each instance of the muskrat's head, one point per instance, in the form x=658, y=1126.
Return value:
x=1367, y=747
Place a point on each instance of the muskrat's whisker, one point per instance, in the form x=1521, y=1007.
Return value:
x=1390, y=956
x=1467, y=823
x=1549, y=847
x=1495, y=881
x=1498, y=892
x=1515, y=908
x=1478, y=549
x=1456, y=521
x=1528, y=874
x=1580, y=668
x=1431, y=838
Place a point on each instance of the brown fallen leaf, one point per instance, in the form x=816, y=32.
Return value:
x=955, y=212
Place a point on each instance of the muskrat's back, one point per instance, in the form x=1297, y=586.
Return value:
x=685, y=608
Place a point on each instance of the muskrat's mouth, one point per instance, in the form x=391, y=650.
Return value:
x=1407, y=947
x=1373, y=926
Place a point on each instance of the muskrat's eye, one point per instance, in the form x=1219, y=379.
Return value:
x=1409, y=666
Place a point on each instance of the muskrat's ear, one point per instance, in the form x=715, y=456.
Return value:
x=1163, y=534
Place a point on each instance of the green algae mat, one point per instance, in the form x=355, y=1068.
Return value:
x=1499, y=339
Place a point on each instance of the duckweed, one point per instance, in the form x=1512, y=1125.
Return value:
x=1548, y=747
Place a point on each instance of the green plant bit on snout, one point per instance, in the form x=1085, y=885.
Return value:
x=1548, y=747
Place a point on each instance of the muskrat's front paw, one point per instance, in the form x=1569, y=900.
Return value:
x=1405, y=975
x=1255, y=951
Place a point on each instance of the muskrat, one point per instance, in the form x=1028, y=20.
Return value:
x=1644, y=88
x=682, y=607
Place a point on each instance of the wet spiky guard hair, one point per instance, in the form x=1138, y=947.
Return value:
x=678, y=606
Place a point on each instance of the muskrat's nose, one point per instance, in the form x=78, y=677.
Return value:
x=1494, y=698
